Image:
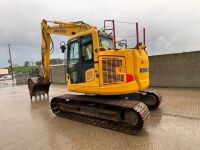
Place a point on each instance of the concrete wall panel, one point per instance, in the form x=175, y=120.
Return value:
x=175, y=70
x=58, y=73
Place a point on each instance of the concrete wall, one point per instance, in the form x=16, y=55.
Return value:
x=175, y=70
x=58, y=73
x=170, y=70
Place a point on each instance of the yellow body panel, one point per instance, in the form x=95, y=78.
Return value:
x=118, y=89
x=141, y=62
x=134, y=60
x=90, y=75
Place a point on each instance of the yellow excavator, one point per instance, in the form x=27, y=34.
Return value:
x=113, y=81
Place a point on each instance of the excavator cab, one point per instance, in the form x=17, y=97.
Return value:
x=94, y=64
x=80, y=58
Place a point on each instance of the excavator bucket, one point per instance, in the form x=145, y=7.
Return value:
x=38, y=86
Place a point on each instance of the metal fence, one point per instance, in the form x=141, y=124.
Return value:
x=21, y=78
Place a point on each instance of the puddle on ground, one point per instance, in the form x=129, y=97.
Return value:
x=4, y=84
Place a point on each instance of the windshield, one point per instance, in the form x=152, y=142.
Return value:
x=73, y=52
x=105, y=41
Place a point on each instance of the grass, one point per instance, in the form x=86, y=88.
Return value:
x=22, y=69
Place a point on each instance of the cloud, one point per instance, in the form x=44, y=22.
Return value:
x=172, y=26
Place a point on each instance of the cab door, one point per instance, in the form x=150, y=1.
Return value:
x=74, y=62
x=87, y=57
x=91, y=82
x=81, y=67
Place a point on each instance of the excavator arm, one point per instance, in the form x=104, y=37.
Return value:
x=40, y=86
x=58, y=28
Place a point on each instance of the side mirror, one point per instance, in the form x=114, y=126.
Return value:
x=63, y=46
x=122, y=43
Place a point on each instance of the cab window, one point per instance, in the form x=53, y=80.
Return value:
x=87, y=49
x=73, y=52
x=105, y=41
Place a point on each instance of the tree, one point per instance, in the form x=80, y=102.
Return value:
x=38, y=63
x=27, y=63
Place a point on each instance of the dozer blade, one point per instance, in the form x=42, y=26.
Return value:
x=38, y=86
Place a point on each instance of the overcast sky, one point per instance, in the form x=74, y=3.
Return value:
x=172, y=26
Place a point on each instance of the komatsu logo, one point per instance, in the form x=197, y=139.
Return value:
x=60, y=30
x=142, y=70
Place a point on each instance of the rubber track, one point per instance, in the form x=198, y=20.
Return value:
x=140, y=108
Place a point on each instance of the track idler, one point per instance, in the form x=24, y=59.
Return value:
x=38, y=86
x=149, y=98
